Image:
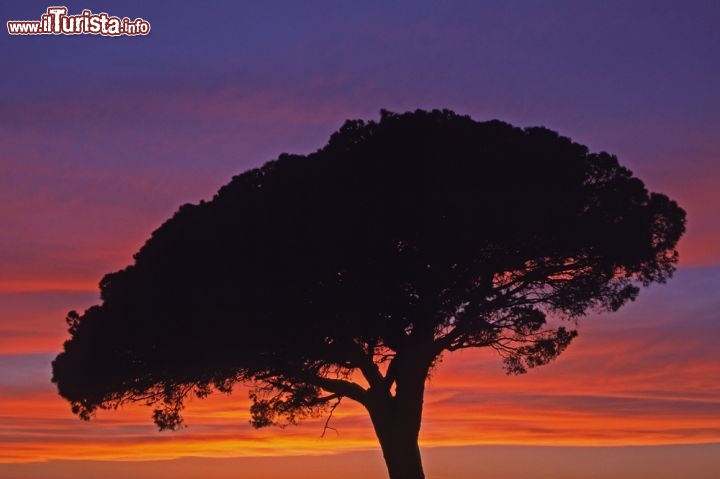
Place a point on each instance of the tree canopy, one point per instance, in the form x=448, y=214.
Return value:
x=334, y=274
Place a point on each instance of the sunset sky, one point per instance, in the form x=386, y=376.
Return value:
x=101, y=139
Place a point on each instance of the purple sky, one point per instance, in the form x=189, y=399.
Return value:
x=121, y=130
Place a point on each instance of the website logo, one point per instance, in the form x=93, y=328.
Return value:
x=56, y=21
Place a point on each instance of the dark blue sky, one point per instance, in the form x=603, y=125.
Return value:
x=576, y=64
x=119, y=131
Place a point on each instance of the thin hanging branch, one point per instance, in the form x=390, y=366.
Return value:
x=327, y=421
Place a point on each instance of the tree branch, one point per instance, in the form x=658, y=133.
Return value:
x=330, y=414
x=367, y=366
x=340, y=387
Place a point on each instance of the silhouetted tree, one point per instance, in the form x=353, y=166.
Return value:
x=349, y=272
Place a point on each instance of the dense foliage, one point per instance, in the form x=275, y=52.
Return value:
x=398, y=241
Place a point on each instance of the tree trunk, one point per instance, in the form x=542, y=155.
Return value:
x=400, y=449
x=396, y=420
